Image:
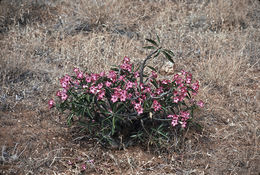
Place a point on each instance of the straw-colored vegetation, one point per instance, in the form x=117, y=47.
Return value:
x=218, y=41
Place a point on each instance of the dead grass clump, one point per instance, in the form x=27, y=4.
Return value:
x=24, y=13
x=226, y=15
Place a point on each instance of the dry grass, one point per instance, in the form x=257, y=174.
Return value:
x=218, y=41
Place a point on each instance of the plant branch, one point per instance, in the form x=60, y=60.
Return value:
x=143, y=64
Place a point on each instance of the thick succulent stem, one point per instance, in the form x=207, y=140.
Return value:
x=143, y=64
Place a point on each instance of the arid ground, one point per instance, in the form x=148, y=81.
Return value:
x=218, y=41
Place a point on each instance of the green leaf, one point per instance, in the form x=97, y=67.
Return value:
x=154, y=83
x=113, y=125
x=145, y=75
x=115, y=69
x=169, y=52
x=152, y=68
x=88, y=98
x=120, y=107
x=165, y=109
x=132, y=68
x=152, y=42
x=149, y=47
x=108, y=118
x=114, y=65
x=158, y=39
x=136, y=135
x=89, y=113
x=161, y=133
x=156, y=55
x=70, y=118
x=168, y=56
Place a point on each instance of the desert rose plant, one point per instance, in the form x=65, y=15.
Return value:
x=125, y=106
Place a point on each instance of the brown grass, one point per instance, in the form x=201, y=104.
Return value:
x=218, y=41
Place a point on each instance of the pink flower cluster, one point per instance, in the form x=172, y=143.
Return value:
x=126, y=65
x=156, y=105
x=182, y=119
x=183, y=82
x=123, y=86
x=51, y=103
x=65, y=84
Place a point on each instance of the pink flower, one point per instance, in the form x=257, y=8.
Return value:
x=136, y=83
x=93, y=89
x=58, y=93
x=126, y=60
x=129, y=85
x=138, y=108
x=51, y=103
x=64, y=84
x=108, y=84
x=121, y=77
x=176, y=76
x=170, y=116
x=94, y=77
x=195, y=86
x=175, y=93
x=123, y=95
x=76, y=70
x=100, y=85
x=181, y=98
x=102, y=74
x=129, y=95
x=67, y=78
x=183, y=124
x=183, y=72
x=200, y=103
x=64, y=91
x=83, y=167
x=175, y=117
x=80, y=75
x=159, y=91
x=174, y=122
x=183, y=89
x=114, y=98
x=88, y=78
x=156, y=105
x=136, y=74
x=64, y=96
x=188, y=78
x=184, y=115
x=112, y=76
x=165, y=81
x=178, y=81
x=147, y=90
x=76, y=82
x=143, y=97
x=126, y=66
x=91, y=161
x=142, y=86
x=175, y=99
x=101, y=95
x=154, y=74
